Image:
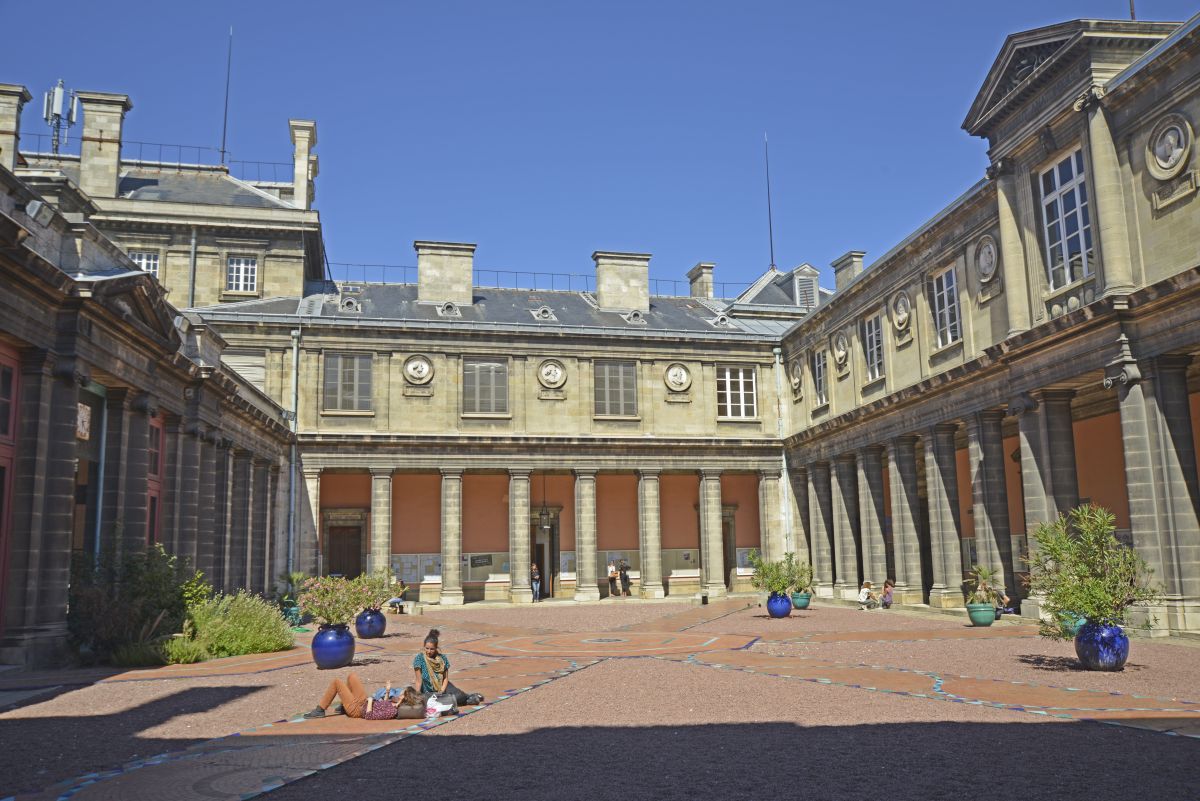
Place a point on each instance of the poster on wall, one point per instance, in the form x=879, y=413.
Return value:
x=409, y=568
x=83, y=421
x=481, y=560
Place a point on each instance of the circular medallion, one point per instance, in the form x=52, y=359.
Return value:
x=677, y=377
x=987, y=257
x=841, y=348
x=551, y=374
x=418, y=369
x=901, y=310
x=796, y=374
x=1169, y=147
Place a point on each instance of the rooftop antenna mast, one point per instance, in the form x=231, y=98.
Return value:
x=1132, y=11
x=770, y=222
x=228, y=71
x=61, y=112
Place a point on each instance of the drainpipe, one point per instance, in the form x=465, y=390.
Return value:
x=192, y=272
x=785, y=482
x=291, y=524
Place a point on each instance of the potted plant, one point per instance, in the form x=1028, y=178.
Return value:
x=289, y=607
x=801, y=574
x=1081, y=570
x=985, y=595
x=332, y=602
x=377, y=590
x=773, y=577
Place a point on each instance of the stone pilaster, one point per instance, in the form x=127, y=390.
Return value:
x=189, y=492
x=650, y=534
x=906, y=519
x=871, y=514
x=241, y=503
x=1108, y=204
x=989, y=495
x=173, y=436
x=224, y=560
x=1048, y=476
x=209, y=503
x=941, y=482
x=820, y=516
x=712, y=544
x=452, y=492
x=845, y=527
x=519, y=547
x=587, y=588
x=381, y=520
x=118, y=410
x=259, y=516
x=770, y=514
x=135, y=467
x=1012, y=252
x=798, y=476
x=308, y=524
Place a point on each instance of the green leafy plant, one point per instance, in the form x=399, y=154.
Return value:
x=333, y=601
x=182, y=650
x=243, y=623
x=1080, y=569
x=378, y=589
x=774, y=577
x=800, y=574
x=982, y=581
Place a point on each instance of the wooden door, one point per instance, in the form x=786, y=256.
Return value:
x=345, y=550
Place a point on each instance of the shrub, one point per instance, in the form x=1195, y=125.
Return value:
x=984, y=590
x=333, y=601
x=183, y=651
x=139, y=654
x=774, y=577
x=232, y=625
x=377, y=588
x=800, y=574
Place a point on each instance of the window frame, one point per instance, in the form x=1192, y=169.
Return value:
x=619, y=393
x=820, y=374
x=875, y=368
x=1055, y=214
x=742, y=394
x=358, y=359
x=146, y=255
x=501, y=362
x=947, y=319
x=241, y=288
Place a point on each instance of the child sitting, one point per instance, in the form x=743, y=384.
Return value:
x=866, y=598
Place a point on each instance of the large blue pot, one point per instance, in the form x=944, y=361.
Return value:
x=1100, y=646
x=779, y=605
x=370, y=623
x=333, y=647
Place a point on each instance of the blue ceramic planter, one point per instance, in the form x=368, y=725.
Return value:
x=333, y=647
x=800, y=600
x=1101, y=647
x=779, y=605
x=370, y=623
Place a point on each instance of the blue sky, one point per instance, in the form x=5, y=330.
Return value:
x=545, y=130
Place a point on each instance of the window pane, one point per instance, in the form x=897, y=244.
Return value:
x=1079, y=162
x=1048, y=183
x=1065, y=174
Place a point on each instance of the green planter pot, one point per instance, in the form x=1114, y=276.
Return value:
x=981, y=614
x=800, y=599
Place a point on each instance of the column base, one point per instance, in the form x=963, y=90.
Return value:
x=451, y=598
x=907, y=595
x=520, y=595
x=844, y=591
x=587, y=593
x=653, y=591
x=1183, y=615
x=1031, y=608
x=715, y=590
x=946, y=599
x=824, y=590
x=36, y=647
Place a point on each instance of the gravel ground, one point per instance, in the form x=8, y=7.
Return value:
x=822, y=620
x=604, y=616
x=649, y=729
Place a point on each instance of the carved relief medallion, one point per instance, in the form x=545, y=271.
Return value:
x=418, y=370
x=677, y=377
x=551, y=374
x=987, y=258
x=901, y=310
x=1169, y=147
x=796, y=374
x=841, y=347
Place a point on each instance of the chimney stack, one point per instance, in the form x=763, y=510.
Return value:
x=100, y=145
x=304, y=162
x=700, y=280
x=622, y=280
x=12, y=97
x=445, y=271
x=846, y=267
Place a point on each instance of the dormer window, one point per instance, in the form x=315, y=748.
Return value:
x=1066, y=216
x=449, y=309
x=544, y=314
x=635, y=317
x=350, y=305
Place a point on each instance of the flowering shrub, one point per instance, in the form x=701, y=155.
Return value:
x=379, y=588
x=333, y=601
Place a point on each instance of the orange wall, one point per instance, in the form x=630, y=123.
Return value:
x=616, y=511
x=485, y=513
x=1100, y=464
x=416, y=513
x=1012, y=483
x=966, y=507
x=560, y=491
x=680, y=492
x=742, y=489
x=346, y=490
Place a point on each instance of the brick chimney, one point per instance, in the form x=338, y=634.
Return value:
x=622, y=280
x=846, y=267
x=700, y=278
x=304, y=162
x=12, y=97
x=100, y=145
x=445, y=271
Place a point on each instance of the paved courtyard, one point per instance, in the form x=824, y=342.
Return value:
x=632, y=700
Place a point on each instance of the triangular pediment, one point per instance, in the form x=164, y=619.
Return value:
x=140, y=301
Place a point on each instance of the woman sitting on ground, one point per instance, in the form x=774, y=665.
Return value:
x=431, y=673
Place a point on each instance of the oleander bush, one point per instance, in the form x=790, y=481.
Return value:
x=232, y=625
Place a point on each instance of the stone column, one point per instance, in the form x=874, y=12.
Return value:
x=1048, y=476
x=381, y=520
x=136, y=465
x=241, y=503
x=770, y=514
x=906, y=519
x=871, y=514
x=519, y=549
x=586, y=586
x=798, y=476
x=308, y=524
x=224, y=561
x=941, y=483
x=118, y=403
x=452, y=481
x=189, y=492
x=711, y=534
x=845, y=525
x=259, y=509
x=650, y=534
x=989, y=494
x=1108, y=203
x=172, y=478
x=820, y=516
x=208, y=504
x=1012, y=251
x=1161, y=479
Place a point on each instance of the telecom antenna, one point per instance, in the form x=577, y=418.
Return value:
x=61, y=110
x=228, y=70
x=770, y=222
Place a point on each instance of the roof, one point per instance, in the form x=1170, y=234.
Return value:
x=204, y=188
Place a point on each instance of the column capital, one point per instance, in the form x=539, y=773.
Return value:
x=382, y=472
x=846, y=458
x=1089, y=98
x=520, y=473
x=1173, y=361
x=452, y=472
x=770, y=473
x=943, y=429
x=1054, y=395
x=311, y=472
x=145, y=403
x=710, y=473
x=71, y=368
x=872, y=450
x=649, y=472
x=903, y=439
x=585, y=473
x=987, y=415
x=1021, y=404
x=38, y=361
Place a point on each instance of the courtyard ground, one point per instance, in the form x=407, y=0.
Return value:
x=632, y=700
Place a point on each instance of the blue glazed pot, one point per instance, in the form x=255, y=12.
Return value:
x=800, y=599
x=333, y=647
x=370, y=623
x=779, y=605
x=1100, y=646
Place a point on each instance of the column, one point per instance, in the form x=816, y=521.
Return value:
x=118, y=404
x=820, y=516
x=587, y=588
x=241, y=505
x=259, y=514
x=519, y=549
x=1108, y=203
x=135, y=467
x=189, y=492
x=308, y=524
x=770, y=514
x=906, y=519
x=871, y=514
x=989, y=494
x=452, y=594
x=941, y=485
x=1048, y=474
x=223, y=559
x=845, y=521
x=276, y=529
x=172, y=477
x=381, y=520
x=1161, y=479
x=798, y=476
x=209, y=503
x=650, y=533
x=1012, y=251
x=711, y=542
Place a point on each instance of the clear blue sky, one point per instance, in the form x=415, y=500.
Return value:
x=545, y=130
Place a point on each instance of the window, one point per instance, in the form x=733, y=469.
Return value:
x=873, y=346
x=945, y=308
x=735, y=392
x=820, y=369
x=1069, y=253
x=616, y=389
x=154, y=460
x=146, y=261
x=241, y=274
x=8, y=399
x=347, y=382
x=485, y=386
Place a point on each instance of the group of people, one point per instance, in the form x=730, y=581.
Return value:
x=868, y=599
x=431, y=673
x=618, y=571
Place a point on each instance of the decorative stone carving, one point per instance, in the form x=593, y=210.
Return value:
x=841, y=348
x=901, y=306
x=677, y=377
x=986, y=258
x=552, y=374
x=1169, y=146
x=1123, y=369
x=796, y=379
x=418, y=370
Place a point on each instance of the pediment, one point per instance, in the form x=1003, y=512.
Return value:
x=140, y=302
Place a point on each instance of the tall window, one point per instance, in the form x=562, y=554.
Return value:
x=736, y=392
x=241, y=274
x=1069, y=253
x=145, y=260
x=616, y=389
x=347, y=382
x=945, y=308
x=820, y=370
x=873, y=346
x=485, y=386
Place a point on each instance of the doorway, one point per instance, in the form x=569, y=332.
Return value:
x=729, y=546
x=345, y=551
x=545, y=555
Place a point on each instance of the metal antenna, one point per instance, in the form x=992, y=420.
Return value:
x=1132, y=11
x=228, y=69
x=61, y=108
x=770, y=221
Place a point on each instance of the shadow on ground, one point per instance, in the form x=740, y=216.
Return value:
x=1064, y=664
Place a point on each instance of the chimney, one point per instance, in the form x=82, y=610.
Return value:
x=304, y=162
x=445, y=272
x=700, y=280
x=12, y=97
x=846, y=267
x=100, y=145
x=622, y=280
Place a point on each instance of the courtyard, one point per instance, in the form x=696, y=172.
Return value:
x=631, y=700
